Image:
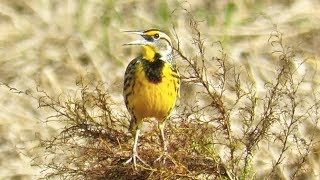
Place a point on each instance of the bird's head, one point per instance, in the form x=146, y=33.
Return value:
x=154, y=43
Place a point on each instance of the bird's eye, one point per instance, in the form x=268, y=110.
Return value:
x=156, y=36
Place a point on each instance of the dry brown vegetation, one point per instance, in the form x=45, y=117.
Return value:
x=249, y=104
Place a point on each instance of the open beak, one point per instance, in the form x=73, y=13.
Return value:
x=136, y=42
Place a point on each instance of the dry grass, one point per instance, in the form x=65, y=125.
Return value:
x=249, y=104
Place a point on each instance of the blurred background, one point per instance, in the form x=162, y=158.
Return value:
x=51, y=43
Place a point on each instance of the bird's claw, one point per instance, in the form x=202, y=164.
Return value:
x=134, y=159
x=162, y=158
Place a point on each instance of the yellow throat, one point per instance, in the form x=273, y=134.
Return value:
x=148, y=52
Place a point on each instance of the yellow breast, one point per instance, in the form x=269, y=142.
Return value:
x=150, y=99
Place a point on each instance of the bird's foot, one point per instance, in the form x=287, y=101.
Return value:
x=134, y=158
x=162, y=158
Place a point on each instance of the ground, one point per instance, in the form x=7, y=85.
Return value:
x=271, y=46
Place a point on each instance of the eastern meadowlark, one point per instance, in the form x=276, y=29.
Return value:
x=151, y=84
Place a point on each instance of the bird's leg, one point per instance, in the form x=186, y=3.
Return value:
x=135, y=151
x=163, y=141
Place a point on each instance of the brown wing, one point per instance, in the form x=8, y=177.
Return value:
x=127, y=88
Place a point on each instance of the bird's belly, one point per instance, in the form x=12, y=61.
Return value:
x=154, y=99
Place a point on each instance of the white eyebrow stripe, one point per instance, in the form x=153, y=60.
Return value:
x=166, y=37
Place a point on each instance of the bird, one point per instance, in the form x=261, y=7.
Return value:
x=151, y=85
